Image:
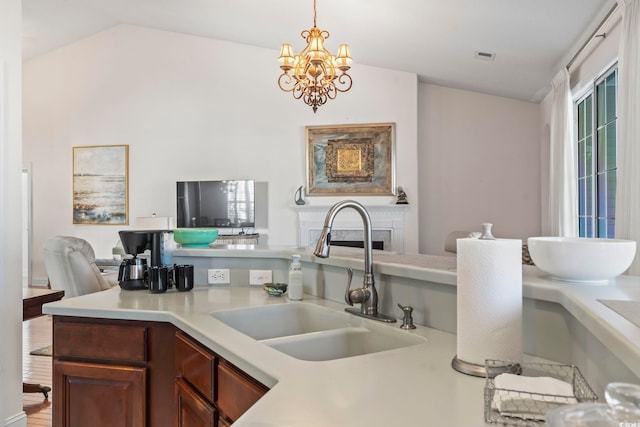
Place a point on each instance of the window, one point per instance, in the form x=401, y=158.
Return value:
x=596, y=137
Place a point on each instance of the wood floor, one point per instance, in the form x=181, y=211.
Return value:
x=36, y=333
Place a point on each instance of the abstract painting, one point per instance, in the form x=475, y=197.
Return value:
x=100, y=185
x=351, y=159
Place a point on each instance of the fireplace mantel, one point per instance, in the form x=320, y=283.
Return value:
x=384, y=218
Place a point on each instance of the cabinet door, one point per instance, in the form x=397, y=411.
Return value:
x=237, y=392
x=191, y=409
x=98, y=395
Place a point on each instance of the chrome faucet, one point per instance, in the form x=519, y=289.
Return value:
x=367, y=296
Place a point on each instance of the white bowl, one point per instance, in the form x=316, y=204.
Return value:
x=581, y=259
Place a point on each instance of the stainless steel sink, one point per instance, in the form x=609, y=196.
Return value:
x=315, y=333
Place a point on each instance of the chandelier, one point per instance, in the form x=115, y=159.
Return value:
x=315, y=74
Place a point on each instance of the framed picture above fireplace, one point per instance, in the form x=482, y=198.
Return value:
x=351, y=159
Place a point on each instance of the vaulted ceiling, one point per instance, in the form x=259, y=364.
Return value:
x=436, y=39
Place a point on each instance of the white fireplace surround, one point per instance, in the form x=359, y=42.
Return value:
x=387, y=224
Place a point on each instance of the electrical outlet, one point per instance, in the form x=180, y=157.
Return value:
x=260, y=277
x=218, y=276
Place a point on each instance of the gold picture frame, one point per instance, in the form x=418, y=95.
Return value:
x=351, y=159
x=101, y=185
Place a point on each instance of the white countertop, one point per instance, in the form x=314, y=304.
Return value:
x=618, y=334
x=404, y=387
x=413, y=386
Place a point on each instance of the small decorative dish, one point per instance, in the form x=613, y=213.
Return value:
x=275, y=289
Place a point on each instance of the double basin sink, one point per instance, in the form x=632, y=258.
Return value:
x=315, y=333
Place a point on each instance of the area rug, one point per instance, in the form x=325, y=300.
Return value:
x=44, y=351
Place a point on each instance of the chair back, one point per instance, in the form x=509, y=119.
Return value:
x=71, y=266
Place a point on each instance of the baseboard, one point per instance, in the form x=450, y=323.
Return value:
x=18, y=420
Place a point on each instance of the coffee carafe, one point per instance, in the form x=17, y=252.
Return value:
x=132, y=273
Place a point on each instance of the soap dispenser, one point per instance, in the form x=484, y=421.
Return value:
x=295, y=288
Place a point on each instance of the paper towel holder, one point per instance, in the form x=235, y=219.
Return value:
x=468, y=367
x=486, y=231
x=476, y=370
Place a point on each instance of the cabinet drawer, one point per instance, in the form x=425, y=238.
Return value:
x=237, y=392
x=197, y=365
x=191, y=409
x=101, y=342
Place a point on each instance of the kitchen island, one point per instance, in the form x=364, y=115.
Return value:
x=410, y=386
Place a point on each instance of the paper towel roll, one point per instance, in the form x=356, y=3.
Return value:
x=489, y=300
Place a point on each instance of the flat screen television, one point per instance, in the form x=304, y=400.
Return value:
x=219, y=204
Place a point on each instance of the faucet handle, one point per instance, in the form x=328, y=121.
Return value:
x=407, y=320
x=347, y=297
x=359, y=295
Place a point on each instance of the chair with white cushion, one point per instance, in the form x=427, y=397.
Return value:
x=71, y=266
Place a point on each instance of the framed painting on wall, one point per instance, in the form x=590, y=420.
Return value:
x=351, y=159
x=100, y=185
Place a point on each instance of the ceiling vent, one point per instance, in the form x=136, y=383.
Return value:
x=485, y=56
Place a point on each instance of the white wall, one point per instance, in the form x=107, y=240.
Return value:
x=190, y=108
x=10, y=217
x=479, y=161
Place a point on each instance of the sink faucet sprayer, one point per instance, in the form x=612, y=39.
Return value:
x=367, y=296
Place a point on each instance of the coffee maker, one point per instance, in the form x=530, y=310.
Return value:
x=133, y=272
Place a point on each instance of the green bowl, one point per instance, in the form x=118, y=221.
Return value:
x=195, y=237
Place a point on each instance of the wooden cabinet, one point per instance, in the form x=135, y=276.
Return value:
x=223, y=389
x=112, y=372
x=125, y=373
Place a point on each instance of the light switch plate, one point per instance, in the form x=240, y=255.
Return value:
x=260, y=277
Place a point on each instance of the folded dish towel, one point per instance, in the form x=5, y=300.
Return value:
x=530, y=397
